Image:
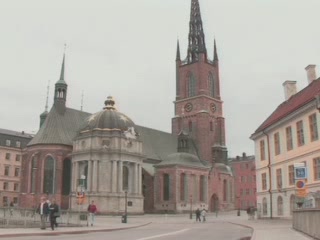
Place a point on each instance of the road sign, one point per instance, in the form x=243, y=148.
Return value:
x=300, y=184
x=300, y=172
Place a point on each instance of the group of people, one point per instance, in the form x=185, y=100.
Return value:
x=251, y=212
x=47, y=208
x=51, y=209
x=199, y=214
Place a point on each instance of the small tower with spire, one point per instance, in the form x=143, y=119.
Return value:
x=44, y=115
x=60, y=92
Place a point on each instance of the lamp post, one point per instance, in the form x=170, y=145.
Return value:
x=124, y=216
x=190, y=207
x=238, y=200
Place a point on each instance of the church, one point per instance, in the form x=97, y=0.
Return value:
x=107, y=158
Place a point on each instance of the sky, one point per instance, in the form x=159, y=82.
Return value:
x=127, y=48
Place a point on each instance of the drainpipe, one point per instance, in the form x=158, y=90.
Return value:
x=269, y=167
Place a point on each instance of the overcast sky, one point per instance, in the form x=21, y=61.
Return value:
x=126, y=48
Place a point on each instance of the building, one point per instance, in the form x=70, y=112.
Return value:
x=290, y=135
x=244, y=172
x=106, y=157
x=11, y=145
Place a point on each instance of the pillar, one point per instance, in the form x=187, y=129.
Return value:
x=114, y=176
x=120, y=164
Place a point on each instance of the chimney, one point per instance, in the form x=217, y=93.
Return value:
x=244, y=155
x=311, y=72
x=290, y=89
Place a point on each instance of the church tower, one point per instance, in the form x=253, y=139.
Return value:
x=198, y=104
x=60, y=92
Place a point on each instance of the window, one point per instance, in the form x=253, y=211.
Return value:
x=316, y=168
x=125, y=178
x=225, y=190
x=276, y=143
x=16, y=187
x=34, y=168
x=192, y=86
x=289, y=138
x=190, y=126
x=6, y=170
x=15, y=200
x=211, y=85
x=5, y=201
x=262, y=150
x=279, y=178
x=5, y=185
x=183, y=187
x=313, y=127
x=49, y=178
x=300, y=134
x=291, y=174
x=264, y=206
x=18, y=144
x=8, y=155
x=280, y=206
x=16, y=172
x=211, y=126
x=264, y=181
x=18, y=157
x=8, y=143
x=166, y=187
x=202, y=188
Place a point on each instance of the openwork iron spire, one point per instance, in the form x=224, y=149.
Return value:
x=196, y=35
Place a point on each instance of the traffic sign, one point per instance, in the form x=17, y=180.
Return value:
x=300, y=184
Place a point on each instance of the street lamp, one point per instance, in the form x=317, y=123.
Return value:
x=190, y=206
x=124, y=216
x=238, y=212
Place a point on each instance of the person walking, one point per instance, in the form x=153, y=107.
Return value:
x=198, y=213
x=43, y=210
x=203, y=215
x=54, y=213
x=92, y=210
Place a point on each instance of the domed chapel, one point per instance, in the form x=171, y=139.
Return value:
x=107, y=158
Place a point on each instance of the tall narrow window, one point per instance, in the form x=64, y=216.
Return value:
x=33, y=177
x=264, y=181
x=313, y=127
x=225, y=190
x=16, y=172
x=7, y=170
x=262, y=150
x=182, y=187
x=166, y=187
x=316, y=168
x=280, y=206
x=202, y=188
x=276, y=143
x=211, y=126
x=192, y=84
x=49, y=175
x=211, y=85
x=125, y=178
x=279, y=178
x=264, y=206
x=291, y=174
x=300, y=134
x=289, y=138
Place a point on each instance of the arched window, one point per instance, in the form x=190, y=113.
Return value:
x=166, y=187
x=224, y=190
x=34, y=168
x=292, y=203
x=192, y=85
x=49, y=175
x=264, y=206
x=211, y=84
x=125, y=178
x=202, y=188
x=280, y=206
x=183, y=187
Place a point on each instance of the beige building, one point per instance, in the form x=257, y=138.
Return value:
x=11, y=145
x=288, y=136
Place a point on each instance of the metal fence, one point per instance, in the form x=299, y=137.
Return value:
x=24, y=218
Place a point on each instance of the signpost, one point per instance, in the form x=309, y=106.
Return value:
x=300, y=176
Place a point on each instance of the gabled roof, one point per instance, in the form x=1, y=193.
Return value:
x=59, y=128
x=295, y=102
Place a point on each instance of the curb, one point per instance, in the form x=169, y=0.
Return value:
x=55, y=233
x=252, y=237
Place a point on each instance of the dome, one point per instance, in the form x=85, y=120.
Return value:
x=109, y=118
x=221, y=167
x=182, y=158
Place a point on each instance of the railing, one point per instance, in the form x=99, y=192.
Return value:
x=307, y=221
x=24, y=218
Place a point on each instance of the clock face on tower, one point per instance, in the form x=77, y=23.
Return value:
x=213, y=107
x=188, y=107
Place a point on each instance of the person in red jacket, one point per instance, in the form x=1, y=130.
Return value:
x=92, y=210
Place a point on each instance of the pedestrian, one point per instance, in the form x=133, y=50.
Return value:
x=203, y=214
x=198, y=213
x=92, y=210
x=11, y=208
x=43, y=210
x=54, y=213
x=249, y=212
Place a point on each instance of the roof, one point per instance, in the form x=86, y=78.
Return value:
x=183, y=159
x=296, y=101
x=15, y=133
x=59, y=128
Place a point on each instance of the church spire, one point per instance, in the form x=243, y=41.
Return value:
x=178, y=51
x=62, y=68
x=215, y=53
x=196, y=35
x=60, y=93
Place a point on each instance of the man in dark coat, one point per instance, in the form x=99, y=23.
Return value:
x=198, y=213
x=43, y=210
x=54, y=213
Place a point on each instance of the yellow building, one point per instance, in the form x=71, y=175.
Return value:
x=11, y=145
x=290, y=135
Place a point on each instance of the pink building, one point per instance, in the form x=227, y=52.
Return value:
x=244, y=170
